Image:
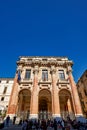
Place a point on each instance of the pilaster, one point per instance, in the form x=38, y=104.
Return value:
x=78, y=110
x=55, y=98
x=34, y=96
x=13, y=98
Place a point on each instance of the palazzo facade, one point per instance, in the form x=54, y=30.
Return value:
x=44, y=88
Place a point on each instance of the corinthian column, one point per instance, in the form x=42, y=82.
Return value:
x=55, y=97
x=13, y=98
x=34, y=96
x=78, y=110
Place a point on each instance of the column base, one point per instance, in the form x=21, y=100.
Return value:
x=80, y=117
x=57, y=117
x=33, y=117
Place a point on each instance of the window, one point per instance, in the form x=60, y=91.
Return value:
x=6, y=106
x=2, y=99
x=27, y=74
x=61, y=75
x=5, y=89
x=44, y=75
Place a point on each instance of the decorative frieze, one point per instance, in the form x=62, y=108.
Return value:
x=48, y=61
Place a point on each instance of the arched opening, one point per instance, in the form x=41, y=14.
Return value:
x=66, y=105
x=24, y=98
x=45, y=104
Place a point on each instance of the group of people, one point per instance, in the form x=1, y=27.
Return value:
x=46, y=124
x=53, y=125
x=8, y=120
x=42, y=124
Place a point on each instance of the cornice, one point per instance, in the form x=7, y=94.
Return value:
x=44, y=61
x=58, y=57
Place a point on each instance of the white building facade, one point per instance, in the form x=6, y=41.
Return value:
x=6, y=85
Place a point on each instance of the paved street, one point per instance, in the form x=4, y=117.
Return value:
x=16, y=127
x=12, y=127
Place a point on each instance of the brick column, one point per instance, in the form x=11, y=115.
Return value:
x=13, y=98
x=55, y=97
x=34, y=96
x=78, y=110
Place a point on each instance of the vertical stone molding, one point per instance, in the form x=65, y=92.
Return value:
x=13, y=98
x=55, y=98
x=69, y=106
x=34, y=96
x=78, y=110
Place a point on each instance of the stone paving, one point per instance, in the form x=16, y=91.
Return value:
x=16, y=127
x=12, y=127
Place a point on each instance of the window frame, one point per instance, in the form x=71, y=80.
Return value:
x=61, y=74
x=44, y=75
x=5, y=90
x=2, y=98
x=27, y=74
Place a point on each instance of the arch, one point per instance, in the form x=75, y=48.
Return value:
x=66, y=105
x=24, y=98
x=45, y=104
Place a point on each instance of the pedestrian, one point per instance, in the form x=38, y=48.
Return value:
x=14, y=119
x=62, y=123
x=24, y=125
x=7, y=120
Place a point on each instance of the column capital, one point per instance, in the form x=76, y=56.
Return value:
x=69, y=70
x=36, y=70
x=53, y=70
x=19, y=69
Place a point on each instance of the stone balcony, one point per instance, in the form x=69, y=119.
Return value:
x=44, y=81
x=26, y=81
x=65, y=81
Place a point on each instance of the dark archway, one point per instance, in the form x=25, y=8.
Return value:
x=24, y=98
x=45, y=104
x=66, y=105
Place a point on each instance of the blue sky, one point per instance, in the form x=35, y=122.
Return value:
x=43, y=28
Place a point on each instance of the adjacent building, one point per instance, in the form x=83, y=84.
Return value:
x=82, y=90
x=6, y=85
x=44, y=88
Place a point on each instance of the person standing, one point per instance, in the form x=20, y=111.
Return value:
x=14, y=119
x=24, y=125
x=7, y=120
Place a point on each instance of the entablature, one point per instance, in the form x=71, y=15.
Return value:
x=57, y=61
